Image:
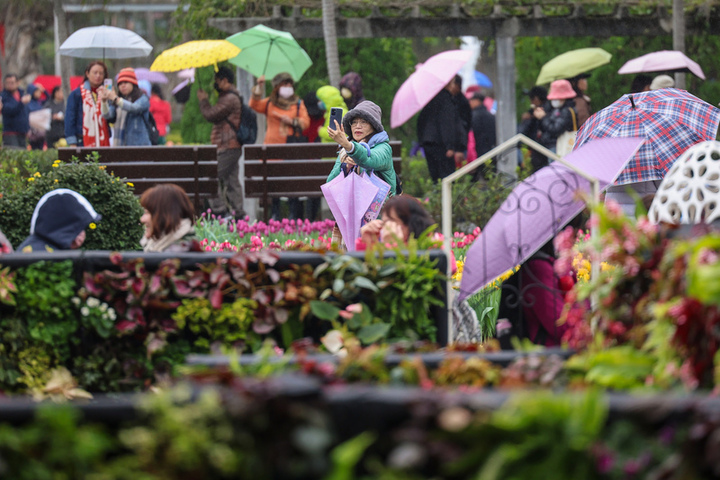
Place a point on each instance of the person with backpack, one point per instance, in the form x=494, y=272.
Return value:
x=287, y=117
x=160, y=110
x=226, y=117
x=128, y=111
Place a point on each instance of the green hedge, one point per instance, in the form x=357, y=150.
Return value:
x=110, y=196
x=124, y=328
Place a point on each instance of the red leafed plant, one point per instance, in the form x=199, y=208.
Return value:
x=145, y=300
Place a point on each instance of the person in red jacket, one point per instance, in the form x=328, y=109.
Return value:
x=160, y=109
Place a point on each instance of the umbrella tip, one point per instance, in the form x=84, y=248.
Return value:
x=632, y=102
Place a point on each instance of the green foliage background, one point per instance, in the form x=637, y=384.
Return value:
x=385, y=63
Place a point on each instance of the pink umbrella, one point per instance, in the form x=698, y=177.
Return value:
x=349, y=198
x=538, y=207
x=662, y=61
x=427, y=80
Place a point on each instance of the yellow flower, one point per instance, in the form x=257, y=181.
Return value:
x=31, y=179
x=583, y=274
x=92, y=226
x=102, y=167
x=55, y=165
x=56, y=180
x=457, y=276
x=130, y=184
x=37, y=174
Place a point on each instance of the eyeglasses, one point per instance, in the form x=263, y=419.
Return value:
x=359, y=122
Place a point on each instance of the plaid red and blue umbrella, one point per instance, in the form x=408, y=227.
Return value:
x=670, y=119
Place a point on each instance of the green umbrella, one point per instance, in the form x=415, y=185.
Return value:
x=572, y=63
x=266, y=51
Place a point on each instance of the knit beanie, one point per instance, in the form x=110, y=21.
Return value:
x=280, y=78
x=366, y=110
x=127, y=75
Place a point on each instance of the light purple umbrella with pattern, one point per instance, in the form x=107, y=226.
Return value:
x=539, y=207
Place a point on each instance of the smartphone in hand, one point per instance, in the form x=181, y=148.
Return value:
x=107, y=83
x=336, y=114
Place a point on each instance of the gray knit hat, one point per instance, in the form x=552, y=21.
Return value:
x=366, y=110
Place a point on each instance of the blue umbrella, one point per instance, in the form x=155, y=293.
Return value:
x=483, y=80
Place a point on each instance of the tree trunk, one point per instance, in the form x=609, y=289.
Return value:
x=330, y=36
x=61, y=35
x=22, y=19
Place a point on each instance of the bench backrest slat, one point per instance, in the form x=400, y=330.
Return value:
x=303, y=169
x=192, y=167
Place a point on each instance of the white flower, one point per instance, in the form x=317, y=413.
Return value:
x=93, y=302
x=333, y=341
x=76, y=301
x=104, y=307
x=85, y=311
x=111, y=314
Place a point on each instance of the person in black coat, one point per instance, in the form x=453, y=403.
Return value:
x=439, y=130
x=530, y=126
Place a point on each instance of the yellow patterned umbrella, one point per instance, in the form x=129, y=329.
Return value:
x=194, y=54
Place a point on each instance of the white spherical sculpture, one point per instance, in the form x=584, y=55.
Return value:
x=690, y=192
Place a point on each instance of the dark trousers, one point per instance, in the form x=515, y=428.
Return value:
x=14, y=140
x=438, y=164
x=230, y=194
x=295, y=208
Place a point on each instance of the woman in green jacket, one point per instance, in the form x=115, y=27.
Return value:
x=365, y=145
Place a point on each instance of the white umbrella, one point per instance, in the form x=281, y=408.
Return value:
x=105, y=42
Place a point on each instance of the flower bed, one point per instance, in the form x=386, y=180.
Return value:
x=222, y=235
x=125, y=327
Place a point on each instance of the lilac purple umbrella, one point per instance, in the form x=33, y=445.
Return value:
x=348, y=198
x=152, y=77
x=539, y=207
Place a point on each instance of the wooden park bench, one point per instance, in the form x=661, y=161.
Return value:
x=192, y=167
x=304, y=168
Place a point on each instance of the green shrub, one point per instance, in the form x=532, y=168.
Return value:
x=119, y=229
x=17, y=165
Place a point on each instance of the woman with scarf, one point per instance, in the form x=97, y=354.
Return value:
x=84, y=124
x=366, y=148
x=169, y=220
x=286, y=117
x=128, y=111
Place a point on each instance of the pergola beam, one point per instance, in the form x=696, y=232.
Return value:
x=656, y=24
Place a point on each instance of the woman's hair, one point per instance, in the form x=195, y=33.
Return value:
x=156, y=90
x=92, y=64
x=134, y=95
x=54, y=91
x=411, y=212
x=168, y=204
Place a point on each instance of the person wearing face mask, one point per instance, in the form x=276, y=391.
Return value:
x=225, y=116
x=559, y=117
x=351, y=89
x=127, y=111
x=286, y=118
